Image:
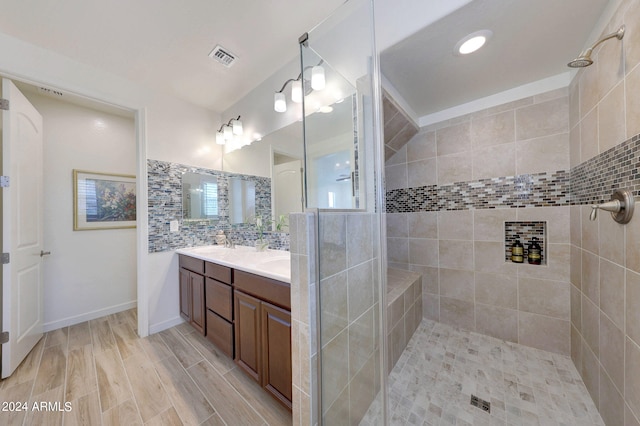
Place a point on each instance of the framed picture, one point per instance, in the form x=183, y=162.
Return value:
x=103, y=201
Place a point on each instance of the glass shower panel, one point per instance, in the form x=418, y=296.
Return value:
x=343, y=169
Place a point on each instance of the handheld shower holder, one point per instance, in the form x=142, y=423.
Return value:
x=620, y=206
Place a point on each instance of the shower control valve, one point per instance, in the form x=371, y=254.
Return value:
x=620, y=206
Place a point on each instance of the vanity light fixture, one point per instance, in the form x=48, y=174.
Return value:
x=228, y=130
x=317, y=83
x=472, y=42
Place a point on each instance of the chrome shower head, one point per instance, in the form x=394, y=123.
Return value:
x=584, y=60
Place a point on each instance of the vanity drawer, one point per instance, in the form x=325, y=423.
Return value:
x=192, y=264
x=273, y=291
x=218, y=272
x=219, y=298
x=220, y=333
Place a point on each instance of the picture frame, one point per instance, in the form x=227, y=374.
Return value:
x=103, y=200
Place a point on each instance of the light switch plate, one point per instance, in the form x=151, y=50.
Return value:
x=173, y=226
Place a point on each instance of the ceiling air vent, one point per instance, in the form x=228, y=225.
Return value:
x=223, y=56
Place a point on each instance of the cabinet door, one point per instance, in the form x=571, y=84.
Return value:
x=276, y=352
x=197, y=303
x=247, y=331
x=185, y=294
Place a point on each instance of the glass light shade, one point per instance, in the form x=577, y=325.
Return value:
x=296, y=91
x=317, y=78
x=228, y=133
x=279, y=103
x=237, y=127
x=220, y=138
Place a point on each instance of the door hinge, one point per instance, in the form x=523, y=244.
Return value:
x=4, y=337
x=4, y=181
x=5, y=258
x=4, y=104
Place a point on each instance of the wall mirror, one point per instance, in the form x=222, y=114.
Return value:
x=199, y=196
x=242, y=200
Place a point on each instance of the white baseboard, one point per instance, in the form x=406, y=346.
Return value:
x=156, y=328
x=54, y=325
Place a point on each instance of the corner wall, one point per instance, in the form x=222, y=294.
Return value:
x=449, y=192
x=605, y=256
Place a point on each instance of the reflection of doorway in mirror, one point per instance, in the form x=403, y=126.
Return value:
x=287, y=185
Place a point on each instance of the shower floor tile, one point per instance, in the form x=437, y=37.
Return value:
x=442, y=367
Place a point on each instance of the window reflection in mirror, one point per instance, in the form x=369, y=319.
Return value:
x=199, y=196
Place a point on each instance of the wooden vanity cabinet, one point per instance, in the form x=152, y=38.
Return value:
x=263, y=332
x=192, y=307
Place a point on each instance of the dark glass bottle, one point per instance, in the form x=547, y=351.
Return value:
x=517, y=252
x=534, y=252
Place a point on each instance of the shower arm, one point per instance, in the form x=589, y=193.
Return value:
x=618, y=34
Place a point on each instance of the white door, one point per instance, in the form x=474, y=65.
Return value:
x=22, y=221
x=287, y=186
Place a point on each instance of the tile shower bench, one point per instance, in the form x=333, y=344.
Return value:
x=404, y=310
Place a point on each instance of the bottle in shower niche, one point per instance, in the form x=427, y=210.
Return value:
x=534, y=252
x=517, y=252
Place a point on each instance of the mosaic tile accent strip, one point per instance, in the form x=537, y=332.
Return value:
x=531, y=190
x=595, y=180
x=524, y=231
x=165, y=205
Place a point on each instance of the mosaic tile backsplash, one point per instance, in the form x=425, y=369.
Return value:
x=165, y=205
x=590, y=182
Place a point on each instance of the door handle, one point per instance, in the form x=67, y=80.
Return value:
x=44, y=253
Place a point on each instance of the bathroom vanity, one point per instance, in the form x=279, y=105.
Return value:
x=240, y=299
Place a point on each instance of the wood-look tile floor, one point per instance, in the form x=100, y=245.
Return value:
x=101, y=373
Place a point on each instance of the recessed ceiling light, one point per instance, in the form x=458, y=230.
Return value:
x=472, y=42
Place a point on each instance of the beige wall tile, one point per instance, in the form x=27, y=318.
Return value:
x=574, y=103
x=395, y=177
x=551, y=94
x=612, y=350
x=457, y=313
x=558, y=257
x=397, y=225
x=334, y=299
x=493, y=129
x=576, y=307
x=455, y=254
x=575, y=225
x=457, y=284
x=332, y=236
x=574, y=146
x=423, y=251
x=589, y=91
x=422, y=172
x=361, y=341
x=360, y=289
x=397, y=157
x=611, y=406
x=611, y=118
x=488, y=224
x=497, y=322
x=544, y=297
x=629, y=418
x=489, y=257
x=632, y=87
x=454, y=139
x=398, y=250
x=494, y=161
x=590, y=373
x=360, y=241
x=611, y=62
x=612, y=291
x=632, y=376
x=421, y=146
x=576, y=266
x=576, y=347
x=431, y=306
x=543, y=154
x=589, y=136
x=632, y=36
x=543, y=119
x=422, y=224
x=454, y=168
x=557, y=218
x=632, y=248
x=591, y=276
x=335, y=374
x=455, y=225
x=497, y=290
x=549, y=334
x=633, y=302
x=362, y=391
x=591, y=325
x=590, y=232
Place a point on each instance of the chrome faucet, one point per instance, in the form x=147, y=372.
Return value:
x=229, y=243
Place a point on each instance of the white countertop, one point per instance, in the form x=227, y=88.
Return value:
x=275, y=264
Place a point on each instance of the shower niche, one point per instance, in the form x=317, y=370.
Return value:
x=525, y=232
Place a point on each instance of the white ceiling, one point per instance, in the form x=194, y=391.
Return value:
x=532, y=40
x=164, y=45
